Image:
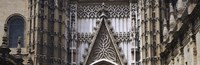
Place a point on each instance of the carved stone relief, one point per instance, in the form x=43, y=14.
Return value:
x=91, y=11
x=103, y=47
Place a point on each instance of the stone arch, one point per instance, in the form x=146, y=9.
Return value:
x=15, y=24
x=16, y=15
x=104, y=62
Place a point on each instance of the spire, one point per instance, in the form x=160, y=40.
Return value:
x=172, y=19
x=165, y=30
x=180, y=7
x=171, y=7
x=56, y=3
x=179, y=4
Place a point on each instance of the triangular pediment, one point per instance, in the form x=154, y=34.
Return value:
x=103, y=46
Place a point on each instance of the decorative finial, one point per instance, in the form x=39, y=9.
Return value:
x=103, y=4
x=171, y=8
x=5, y=39
x=103, y=12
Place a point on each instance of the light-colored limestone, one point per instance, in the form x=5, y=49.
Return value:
x=9, y=8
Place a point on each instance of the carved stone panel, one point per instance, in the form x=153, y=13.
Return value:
x=104, y=50
x=103, y=47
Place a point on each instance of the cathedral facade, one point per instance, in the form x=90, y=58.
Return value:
x=100, y=32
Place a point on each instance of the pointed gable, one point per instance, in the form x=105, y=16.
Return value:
x=103, y=46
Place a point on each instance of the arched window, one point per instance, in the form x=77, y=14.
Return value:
x=15, y=29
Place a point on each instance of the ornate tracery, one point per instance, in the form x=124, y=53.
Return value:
x=120, y=16
x=104, y=49
x=91, y=11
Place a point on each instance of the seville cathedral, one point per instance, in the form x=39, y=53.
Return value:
x=99, y=32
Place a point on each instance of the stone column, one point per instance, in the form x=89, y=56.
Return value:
x=45, y=33
x=56, y=43
x=73, y=32
x=165, y=30
x=157, y=32
x=63, y=32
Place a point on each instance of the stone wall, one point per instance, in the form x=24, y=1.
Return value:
x=9, y=8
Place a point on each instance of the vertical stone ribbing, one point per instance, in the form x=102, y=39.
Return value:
x=63, y=32
x=73, y=33
x=132, y=18
x=56, y=32
x=47, y=32
x=34, y=32
x=142, y=43
x=157, y=33
x=134, y=14
x=150, y=31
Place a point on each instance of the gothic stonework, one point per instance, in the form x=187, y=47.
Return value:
x=104, y=50
x=91, y=11
x=103, y=46
x=96, y=32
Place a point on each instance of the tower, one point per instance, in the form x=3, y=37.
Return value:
x=47, y=32
x=150, y=31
